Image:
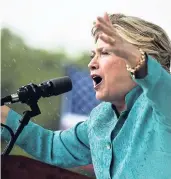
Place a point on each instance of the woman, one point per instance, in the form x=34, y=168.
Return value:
x=129, y=134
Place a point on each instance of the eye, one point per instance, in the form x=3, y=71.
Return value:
x=104, y=53
x=92, y=55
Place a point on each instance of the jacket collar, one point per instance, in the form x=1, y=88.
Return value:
x=130, y=99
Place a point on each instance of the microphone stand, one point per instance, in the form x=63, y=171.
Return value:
x=23, y=122
x=30, y=94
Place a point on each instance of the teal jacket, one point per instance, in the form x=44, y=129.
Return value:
x=135, y=145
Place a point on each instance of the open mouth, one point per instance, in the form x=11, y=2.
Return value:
x=97, y=80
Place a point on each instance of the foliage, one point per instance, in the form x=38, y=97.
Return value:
x=21, y=64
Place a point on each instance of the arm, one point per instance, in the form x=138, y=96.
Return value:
x=157, y=87
x=155, y=81
x=62, y=148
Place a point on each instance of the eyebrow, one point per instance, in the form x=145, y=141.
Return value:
x=98, y=49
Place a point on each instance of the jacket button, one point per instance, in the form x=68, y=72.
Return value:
x=108, y=146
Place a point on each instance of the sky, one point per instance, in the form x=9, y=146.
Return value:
x=53, y=24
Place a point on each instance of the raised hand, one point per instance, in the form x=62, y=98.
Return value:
x=119, y=46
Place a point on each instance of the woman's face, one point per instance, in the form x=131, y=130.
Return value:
x=110, y=77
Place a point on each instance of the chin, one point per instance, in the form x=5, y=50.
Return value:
x=98, y=96
x=106, y=97
x=101, y=97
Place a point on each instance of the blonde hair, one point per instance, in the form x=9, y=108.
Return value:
x=149, y=37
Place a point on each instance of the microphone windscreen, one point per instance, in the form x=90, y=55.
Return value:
x=56, y=86
x=61, y=85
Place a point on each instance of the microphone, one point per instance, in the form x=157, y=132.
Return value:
x=32, y=92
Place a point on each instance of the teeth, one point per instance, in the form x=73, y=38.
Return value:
x=95, y=76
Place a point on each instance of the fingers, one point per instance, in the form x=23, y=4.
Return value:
x=101, y=20
x=107, y=39
x=104, y=28
x=107, y=33
x=106, y=18
x=103, y=24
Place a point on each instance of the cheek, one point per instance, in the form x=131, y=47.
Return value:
x=116, y=68
x=108, y=63
x=117, y=74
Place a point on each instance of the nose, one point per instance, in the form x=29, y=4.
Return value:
x=93, y=65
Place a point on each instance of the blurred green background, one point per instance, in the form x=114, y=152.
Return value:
x=22, y=64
